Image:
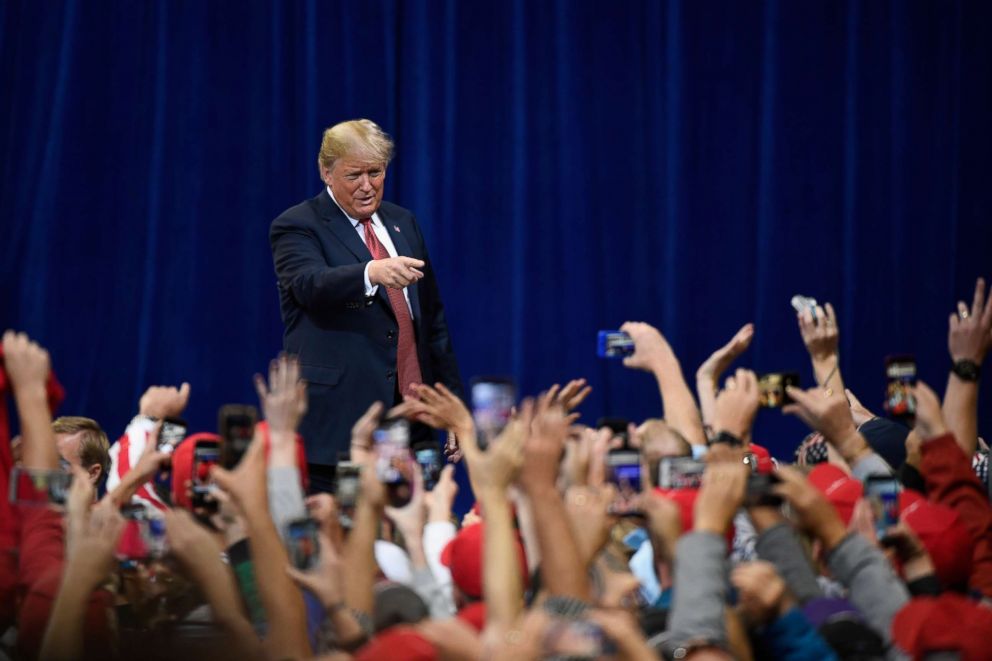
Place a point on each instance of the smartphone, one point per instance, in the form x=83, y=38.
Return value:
x=172, y=434
x=680, y=473
x=900, y=376
x=347, y=476
x=623, y=470
x=493, y=399
x=206, y=455
x=39, y=487
x=393, y=462
x=613, y=344
x=882, y=492
x=771, y=387
x=429, y=460
x=302, y=544
x=618, y=426
x=576, y=639
x=236, y=425
x=800, y=303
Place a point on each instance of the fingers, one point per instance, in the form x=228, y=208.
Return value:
x=411, y=262
x=963, y=310
x=978, y=301
x=261, y=388
x=831, y=317
x=184, y=393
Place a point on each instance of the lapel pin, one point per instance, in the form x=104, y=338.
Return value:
x=396, y=227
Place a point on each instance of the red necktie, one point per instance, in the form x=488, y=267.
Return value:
x=407, y=364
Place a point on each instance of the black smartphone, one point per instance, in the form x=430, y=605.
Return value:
x=680, y=473
x=171, y=434
x=236, y=425
x=429, y=460
x=39, y=487
x=771, y=387
x=393, y=464
x=493, y=399
x=900, y=376
x=759, y=490
x=618, y=426
x=206, y=455
x=302, y=544
x=882, y=493
x=623, y=470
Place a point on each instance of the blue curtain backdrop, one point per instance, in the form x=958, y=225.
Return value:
x=573, y=165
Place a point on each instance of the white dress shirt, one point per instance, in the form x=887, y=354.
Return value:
x=384, y=239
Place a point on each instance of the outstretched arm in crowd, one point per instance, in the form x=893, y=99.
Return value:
x=828, y=412
x=652, y=353
x=27, y=365
x=90, y=559
x=492, y=473
x=199, y=555
x=950, y=481
x=874, y=589
x=282, y=601
x=968, y=339
x=708, y=374
x=562, y=570
x=822, y=339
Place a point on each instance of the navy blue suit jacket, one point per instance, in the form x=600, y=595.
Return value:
x=346, y=342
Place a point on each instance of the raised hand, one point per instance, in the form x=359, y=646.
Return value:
x=737, y=404
x=572, y=395
x=828, y=413
x=440, y=408
x=164, y=401
x=819, y=331
x=651, y=349
x=495, y=469
x=720, y=496
x=929, y=417
x=544, y=444
x=284, y=399
x=969, y=332
x=720, y=360
x=395, y=272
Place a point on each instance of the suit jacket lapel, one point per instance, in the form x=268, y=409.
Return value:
x=341, y=227
x=402, y=248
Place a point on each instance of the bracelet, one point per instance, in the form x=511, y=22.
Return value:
x=824, y=383
x=728, y=438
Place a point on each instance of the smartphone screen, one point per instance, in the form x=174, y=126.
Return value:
x=680, y=473
x=35, y=487
x=346, y=477
x=900, y=376
x=772, y=390
x=623, y=470
x=302, y=544
x=236, y=425
x=206, y=455
x=613, y=344
x=429, y=460
x=392, y=444
x=493, y=399
x=882, y=493
x=172, y=434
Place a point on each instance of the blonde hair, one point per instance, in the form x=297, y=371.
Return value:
x=362, y=138
x=94, y=448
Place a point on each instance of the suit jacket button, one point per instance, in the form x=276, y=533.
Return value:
x=368, y=301
x=390, y=374
x=390, y=334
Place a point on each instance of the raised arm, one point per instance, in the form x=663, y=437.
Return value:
x=969, y=336
x=708, y=374
x=822, y=339
x=652, y=353
x=27, y=365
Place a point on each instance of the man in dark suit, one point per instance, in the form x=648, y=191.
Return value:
x=357, y=294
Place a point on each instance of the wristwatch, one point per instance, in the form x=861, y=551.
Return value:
x=967, y=370
x=728, y=438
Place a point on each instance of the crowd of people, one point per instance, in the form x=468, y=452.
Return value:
x=786, y=558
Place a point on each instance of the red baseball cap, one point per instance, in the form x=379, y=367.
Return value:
x=942, y=532
x=950, y=622
x=401, y=643
x=764, y=457
x=842, y=490
x=463, y=556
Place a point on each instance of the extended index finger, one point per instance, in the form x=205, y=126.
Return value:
x=411, y=262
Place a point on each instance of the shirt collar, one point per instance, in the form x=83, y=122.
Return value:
x=354, y=221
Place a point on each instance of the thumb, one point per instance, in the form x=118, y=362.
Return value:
x=184, y=391
x=222, y=477
x=298, y=577
x=852, y=400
